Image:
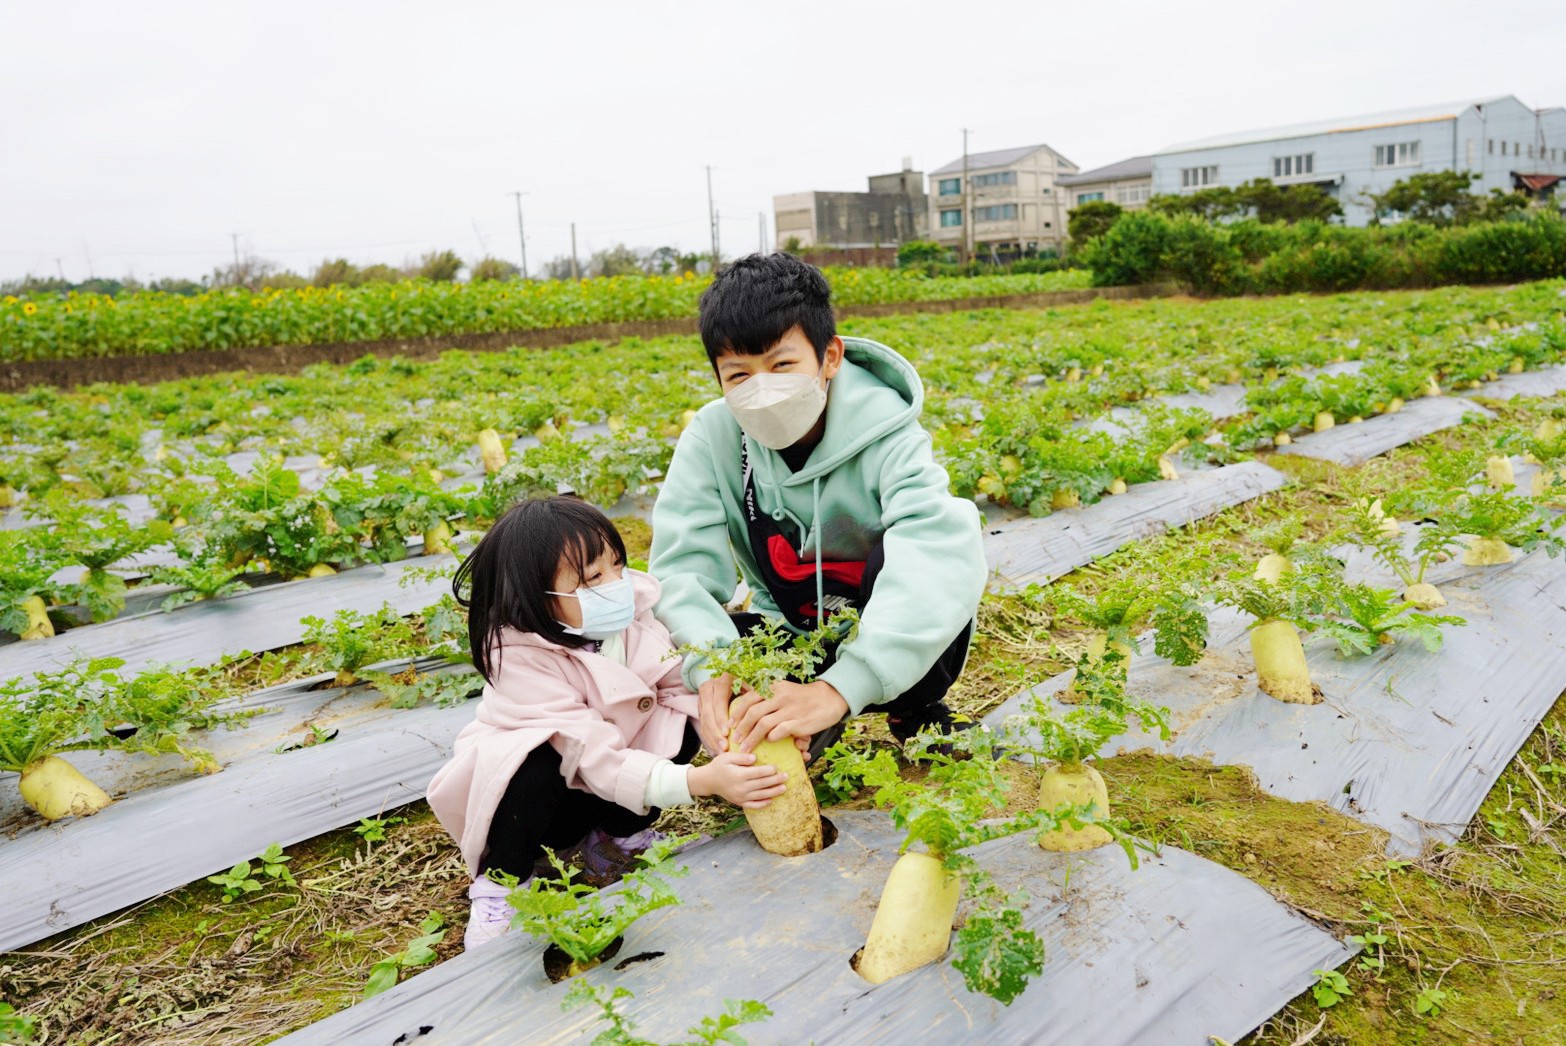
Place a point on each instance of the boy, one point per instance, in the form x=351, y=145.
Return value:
x=814, y=477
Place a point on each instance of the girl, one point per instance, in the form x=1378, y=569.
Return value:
x=584, y=728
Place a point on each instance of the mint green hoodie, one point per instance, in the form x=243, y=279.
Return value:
x=871, y=478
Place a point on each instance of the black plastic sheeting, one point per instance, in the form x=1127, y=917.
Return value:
x=1174, y=952
x=174, y=827
x=261, y=619
x=1407, y=740
x=1039, y=550
x=1347, y=444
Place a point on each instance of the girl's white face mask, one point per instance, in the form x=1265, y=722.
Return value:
x=776, y=410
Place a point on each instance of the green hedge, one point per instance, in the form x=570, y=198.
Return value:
x=1248, y=257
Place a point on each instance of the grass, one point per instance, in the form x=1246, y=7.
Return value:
x=1477, y=926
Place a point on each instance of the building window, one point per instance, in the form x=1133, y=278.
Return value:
x=1001, y=178
x=998, y=213
x=1516, y=149
x=1530, y=152
x=1130, y=194
x=1491, y=149
x=1401, y=154
x=1089, y=197
x=1289, y=166
x=1196, y=177
x=1046, y=190
x=950, y=218
x=951, y=187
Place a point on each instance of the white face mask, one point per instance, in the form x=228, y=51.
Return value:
x=776, y=410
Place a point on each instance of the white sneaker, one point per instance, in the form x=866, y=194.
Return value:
x=489, y=916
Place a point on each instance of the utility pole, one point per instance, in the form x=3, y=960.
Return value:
x=576, y=273
x=967, y=205
x=521, y=236
x=761, y=232
x=235, y=237
x=712, y=220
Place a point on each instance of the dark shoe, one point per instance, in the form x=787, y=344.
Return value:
x=937, y=715
x=825, y=739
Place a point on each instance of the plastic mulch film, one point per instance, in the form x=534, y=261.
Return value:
x=1358, y=443
x=1039, y=550
x=261, y=619
x=1174, y=952
x=1406, y=739
x=169, y=826
x=1546, y=381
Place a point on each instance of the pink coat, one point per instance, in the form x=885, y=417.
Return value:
x=611, y=723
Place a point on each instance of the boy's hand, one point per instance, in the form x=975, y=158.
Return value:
x=712, y=703
x=798, y=710
x=736, y=777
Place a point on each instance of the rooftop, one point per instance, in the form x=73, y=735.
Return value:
x=996, y=158
x=1136, y=167
x=1418, y=114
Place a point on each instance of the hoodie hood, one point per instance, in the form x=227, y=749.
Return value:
x=875, y=392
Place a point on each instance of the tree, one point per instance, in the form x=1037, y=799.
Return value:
x=1089, y=220
x=558, y=268
x=488, y=268
x=1213, y=204
x=919, y=252
x=249, y=271
x=333, y=272
x=662, y=261
x=618, y=260
x=440, y=266
x=1442, y=198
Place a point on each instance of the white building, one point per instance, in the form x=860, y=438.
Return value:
x=1013, y=205
x=1128, y=183
x=1509, y=146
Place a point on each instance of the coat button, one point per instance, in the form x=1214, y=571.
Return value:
x=644, y=704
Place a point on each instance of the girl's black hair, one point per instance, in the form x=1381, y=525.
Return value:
x=505, y=580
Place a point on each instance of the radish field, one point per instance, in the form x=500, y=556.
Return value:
x=1277, y=615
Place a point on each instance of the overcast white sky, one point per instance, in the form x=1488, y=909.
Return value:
x=142, y=134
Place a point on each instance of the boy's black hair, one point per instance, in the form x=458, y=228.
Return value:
x=753, y=303
x=505, y=580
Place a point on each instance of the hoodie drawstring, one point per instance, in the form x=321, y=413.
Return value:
x=815, y=522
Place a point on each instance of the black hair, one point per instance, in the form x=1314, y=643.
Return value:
x=505, y=580
x=756, y=300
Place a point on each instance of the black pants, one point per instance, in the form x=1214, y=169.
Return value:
x=930, y=688
x=539, y=809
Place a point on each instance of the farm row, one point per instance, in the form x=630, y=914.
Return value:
x=149, y=322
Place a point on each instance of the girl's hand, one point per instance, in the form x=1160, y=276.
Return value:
x=736, y=777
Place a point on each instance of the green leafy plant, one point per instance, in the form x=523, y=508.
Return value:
x=770, y=652
x=582, y=921
x=1364, y=618
x=96, y=537
x=88, y=705
x=16, y=1027
x=29, y=559
x=351, y=640
x=418, y=952
x=373, y=829
x=622, y=1031
x=1431, y=1001
x=241, y=879
x=205, y=575
x=1331, y=988
x=410, y=687
x=945, y=814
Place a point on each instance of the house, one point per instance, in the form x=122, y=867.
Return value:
x=1011, y=199
x=1128, y=183
x=891, y=212
x=1507, y=144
